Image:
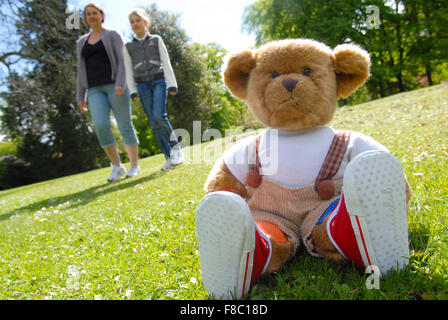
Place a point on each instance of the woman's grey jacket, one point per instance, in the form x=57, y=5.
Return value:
x=113, y=43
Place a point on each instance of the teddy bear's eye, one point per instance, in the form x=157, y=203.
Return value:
x=306, y=71
x=275, y=74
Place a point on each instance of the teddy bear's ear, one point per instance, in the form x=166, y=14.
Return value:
x=236, y=73
x=352, y=67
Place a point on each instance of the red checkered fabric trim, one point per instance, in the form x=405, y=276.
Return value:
x=334, y=157
x=256, y=165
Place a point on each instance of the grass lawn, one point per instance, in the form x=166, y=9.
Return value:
x=79, y=237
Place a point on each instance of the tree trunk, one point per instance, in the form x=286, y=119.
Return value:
x=428, y=73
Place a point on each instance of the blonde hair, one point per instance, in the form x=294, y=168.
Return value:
x=97, y=7
x=142, y=14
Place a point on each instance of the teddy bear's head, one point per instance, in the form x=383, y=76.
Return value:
x=295, y=83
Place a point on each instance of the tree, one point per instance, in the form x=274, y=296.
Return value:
x=327, y=21
x=201, y=95
x=55, y=137
x=229, y=111
x=411, y=37
x=331, y=22
x=428, y=21
x=194, y=99
x=8, y=13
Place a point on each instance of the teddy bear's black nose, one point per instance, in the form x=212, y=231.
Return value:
x=289, y=84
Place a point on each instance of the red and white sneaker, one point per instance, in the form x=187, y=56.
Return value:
x=233, y=251
x=369, y=226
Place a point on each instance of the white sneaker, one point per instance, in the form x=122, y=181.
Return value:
x=167, y=164
x=117, y=172
x=370, y=224
x=133, y=171
x=233, y=252
x=177, y=156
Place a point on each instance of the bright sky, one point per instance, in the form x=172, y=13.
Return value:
x=204, y=21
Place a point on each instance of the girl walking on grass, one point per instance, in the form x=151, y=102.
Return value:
x=149, y=72
x=102, y=80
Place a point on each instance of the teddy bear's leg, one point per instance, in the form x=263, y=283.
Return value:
x=221, y=179
x=234, y=252
x=369, y=224
x=324, y=245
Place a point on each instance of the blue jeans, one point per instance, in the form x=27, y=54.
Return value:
x=101, y=100
x=153, y=99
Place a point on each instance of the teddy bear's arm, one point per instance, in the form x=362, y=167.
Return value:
x=220, y=178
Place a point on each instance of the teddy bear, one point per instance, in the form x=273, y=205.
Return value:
x=299, y=185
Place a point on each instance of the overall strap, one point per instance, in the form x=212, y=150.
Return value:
x=253, y=176
x=254, y=160
x=334, y=157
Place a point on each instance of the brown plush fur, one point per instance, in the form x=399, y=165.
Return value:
x=352, y=67
x=323, y=245
x=242, y=64
x=313, y=101
x=281, y=253
x=220, y=178
x=292, y=84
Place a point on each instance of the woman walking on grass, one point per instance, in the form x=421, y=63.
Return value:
x=102, y=79
x=149, y=72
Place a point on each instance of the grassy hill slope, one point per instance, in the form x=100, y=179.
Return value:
x=80, y=237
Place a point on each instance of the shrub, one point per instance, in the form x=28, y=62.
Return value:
x=13, y=172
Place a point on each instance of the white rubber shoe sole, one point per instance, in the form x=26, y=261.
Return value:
x=375, y=197
x=225, y=231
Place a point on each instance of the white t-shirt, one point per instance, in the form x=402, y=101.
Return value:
x=293, y=158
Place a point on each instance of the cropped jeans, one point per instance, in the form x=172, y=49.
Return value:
x=153, y=99
x=101, y=100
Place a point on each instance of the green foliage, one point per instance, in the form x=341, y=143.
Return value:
x=428, y=31
x=8, y=147
x=228, y=110
x=200, y=94
x=194, y=99
x=14, y=172
x=409, y=43
x=441, y=72
x=327, y=21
